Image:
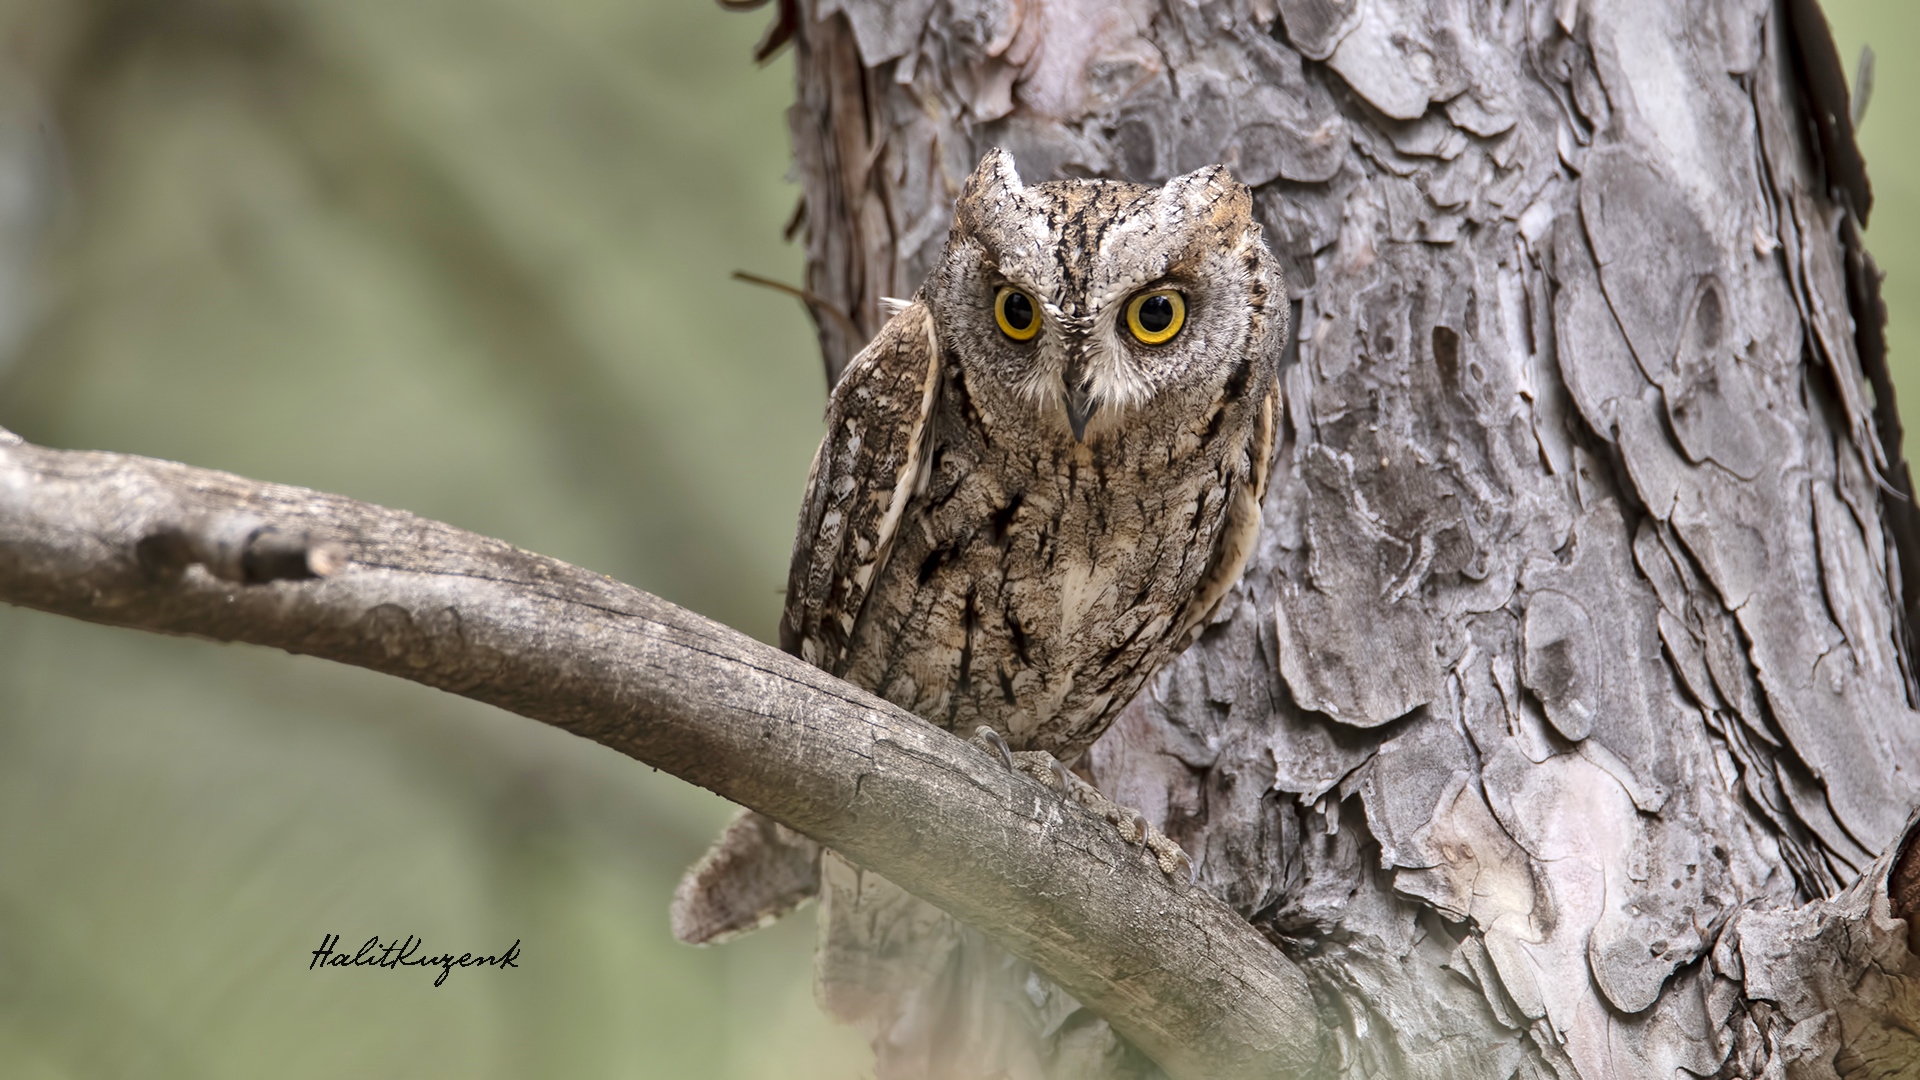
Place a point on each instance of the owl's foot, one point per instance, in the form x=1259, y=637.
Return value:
x=1130, y=823
x=993, y=743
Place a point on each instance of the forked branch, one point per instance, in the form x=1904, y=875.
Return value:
x=155, y=545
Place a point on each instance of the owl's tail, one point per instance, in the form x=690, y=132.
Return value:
x=756, y=872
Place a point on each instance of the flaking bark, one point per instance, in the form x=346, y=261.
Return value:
x=1572, y=679
x=1557, y=721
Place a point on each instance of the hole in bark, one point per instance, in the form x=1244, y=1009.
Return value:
x=163, y=555
x=1446, y=354
x=1707, y=323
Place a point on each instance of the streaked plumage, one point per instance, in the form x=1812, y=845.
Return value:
x=1013, y=525
x=960, y=552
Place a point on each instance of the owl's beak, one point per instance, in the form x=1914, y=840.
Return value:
x=1080, y=409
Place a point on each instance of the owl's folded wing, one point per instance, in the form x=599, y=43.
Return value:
x=1236, y=540
x=871, y=463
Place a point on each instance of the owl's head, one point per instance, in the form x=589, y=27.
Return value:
x=1091, y=300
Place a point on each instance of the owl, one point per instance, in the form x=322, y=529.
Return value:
x=1044, y=473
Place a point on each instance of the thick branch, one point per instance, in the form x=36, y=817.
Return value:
x=155, y=545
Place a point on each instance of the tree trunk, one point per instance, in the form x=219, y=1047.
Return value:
x=1572, y=669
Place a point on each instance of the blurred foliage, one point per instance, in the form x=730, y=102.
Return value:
x=470, y=258
x=1892, y=28
x=466, y=257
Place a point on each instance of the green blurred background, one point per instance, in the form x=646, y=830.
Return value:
x=466, y=257
x=470, y=258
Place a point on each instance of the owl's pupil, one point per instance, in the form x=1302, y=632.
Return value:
x=1156, y=314
x=1018, y=310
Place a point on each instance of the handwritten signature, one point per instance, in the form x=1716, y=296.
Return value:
x=398, y=954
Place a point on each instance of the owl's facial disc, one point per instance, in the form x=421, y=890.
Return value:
x=1097, y=373
x=1095, y=304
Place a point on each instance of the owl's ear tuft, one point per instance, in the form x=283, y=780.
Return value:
x=1210, y=187
x=995, y=174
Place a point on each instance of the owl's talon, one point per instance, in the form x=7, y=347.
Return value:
x=1061, y=776
x=1131, y=824
x=990, y=740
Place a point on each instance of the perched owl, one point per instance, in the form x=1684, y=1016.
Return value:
x=1045, y=471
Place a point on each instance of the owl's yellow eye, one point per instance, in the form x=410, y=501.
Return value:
x=1016, y=313
x=1154, y=317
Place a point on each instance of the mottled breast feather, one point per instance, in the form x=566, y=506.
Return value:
x=976, y=552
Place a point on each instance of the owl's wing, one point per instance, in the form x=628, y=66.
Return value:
x=871, y=463
x=1242, y=531
x=867, y=469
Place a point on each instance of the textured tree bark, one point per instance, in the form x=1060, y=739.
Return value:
x=1558, y=723
x=1571, y=683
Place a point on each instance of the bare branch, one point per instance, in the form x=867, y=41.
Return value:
x=155, y=545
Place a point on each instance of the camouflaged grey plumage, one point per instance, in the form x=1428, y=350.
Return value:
x=960, y=552
x=1017, y=533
